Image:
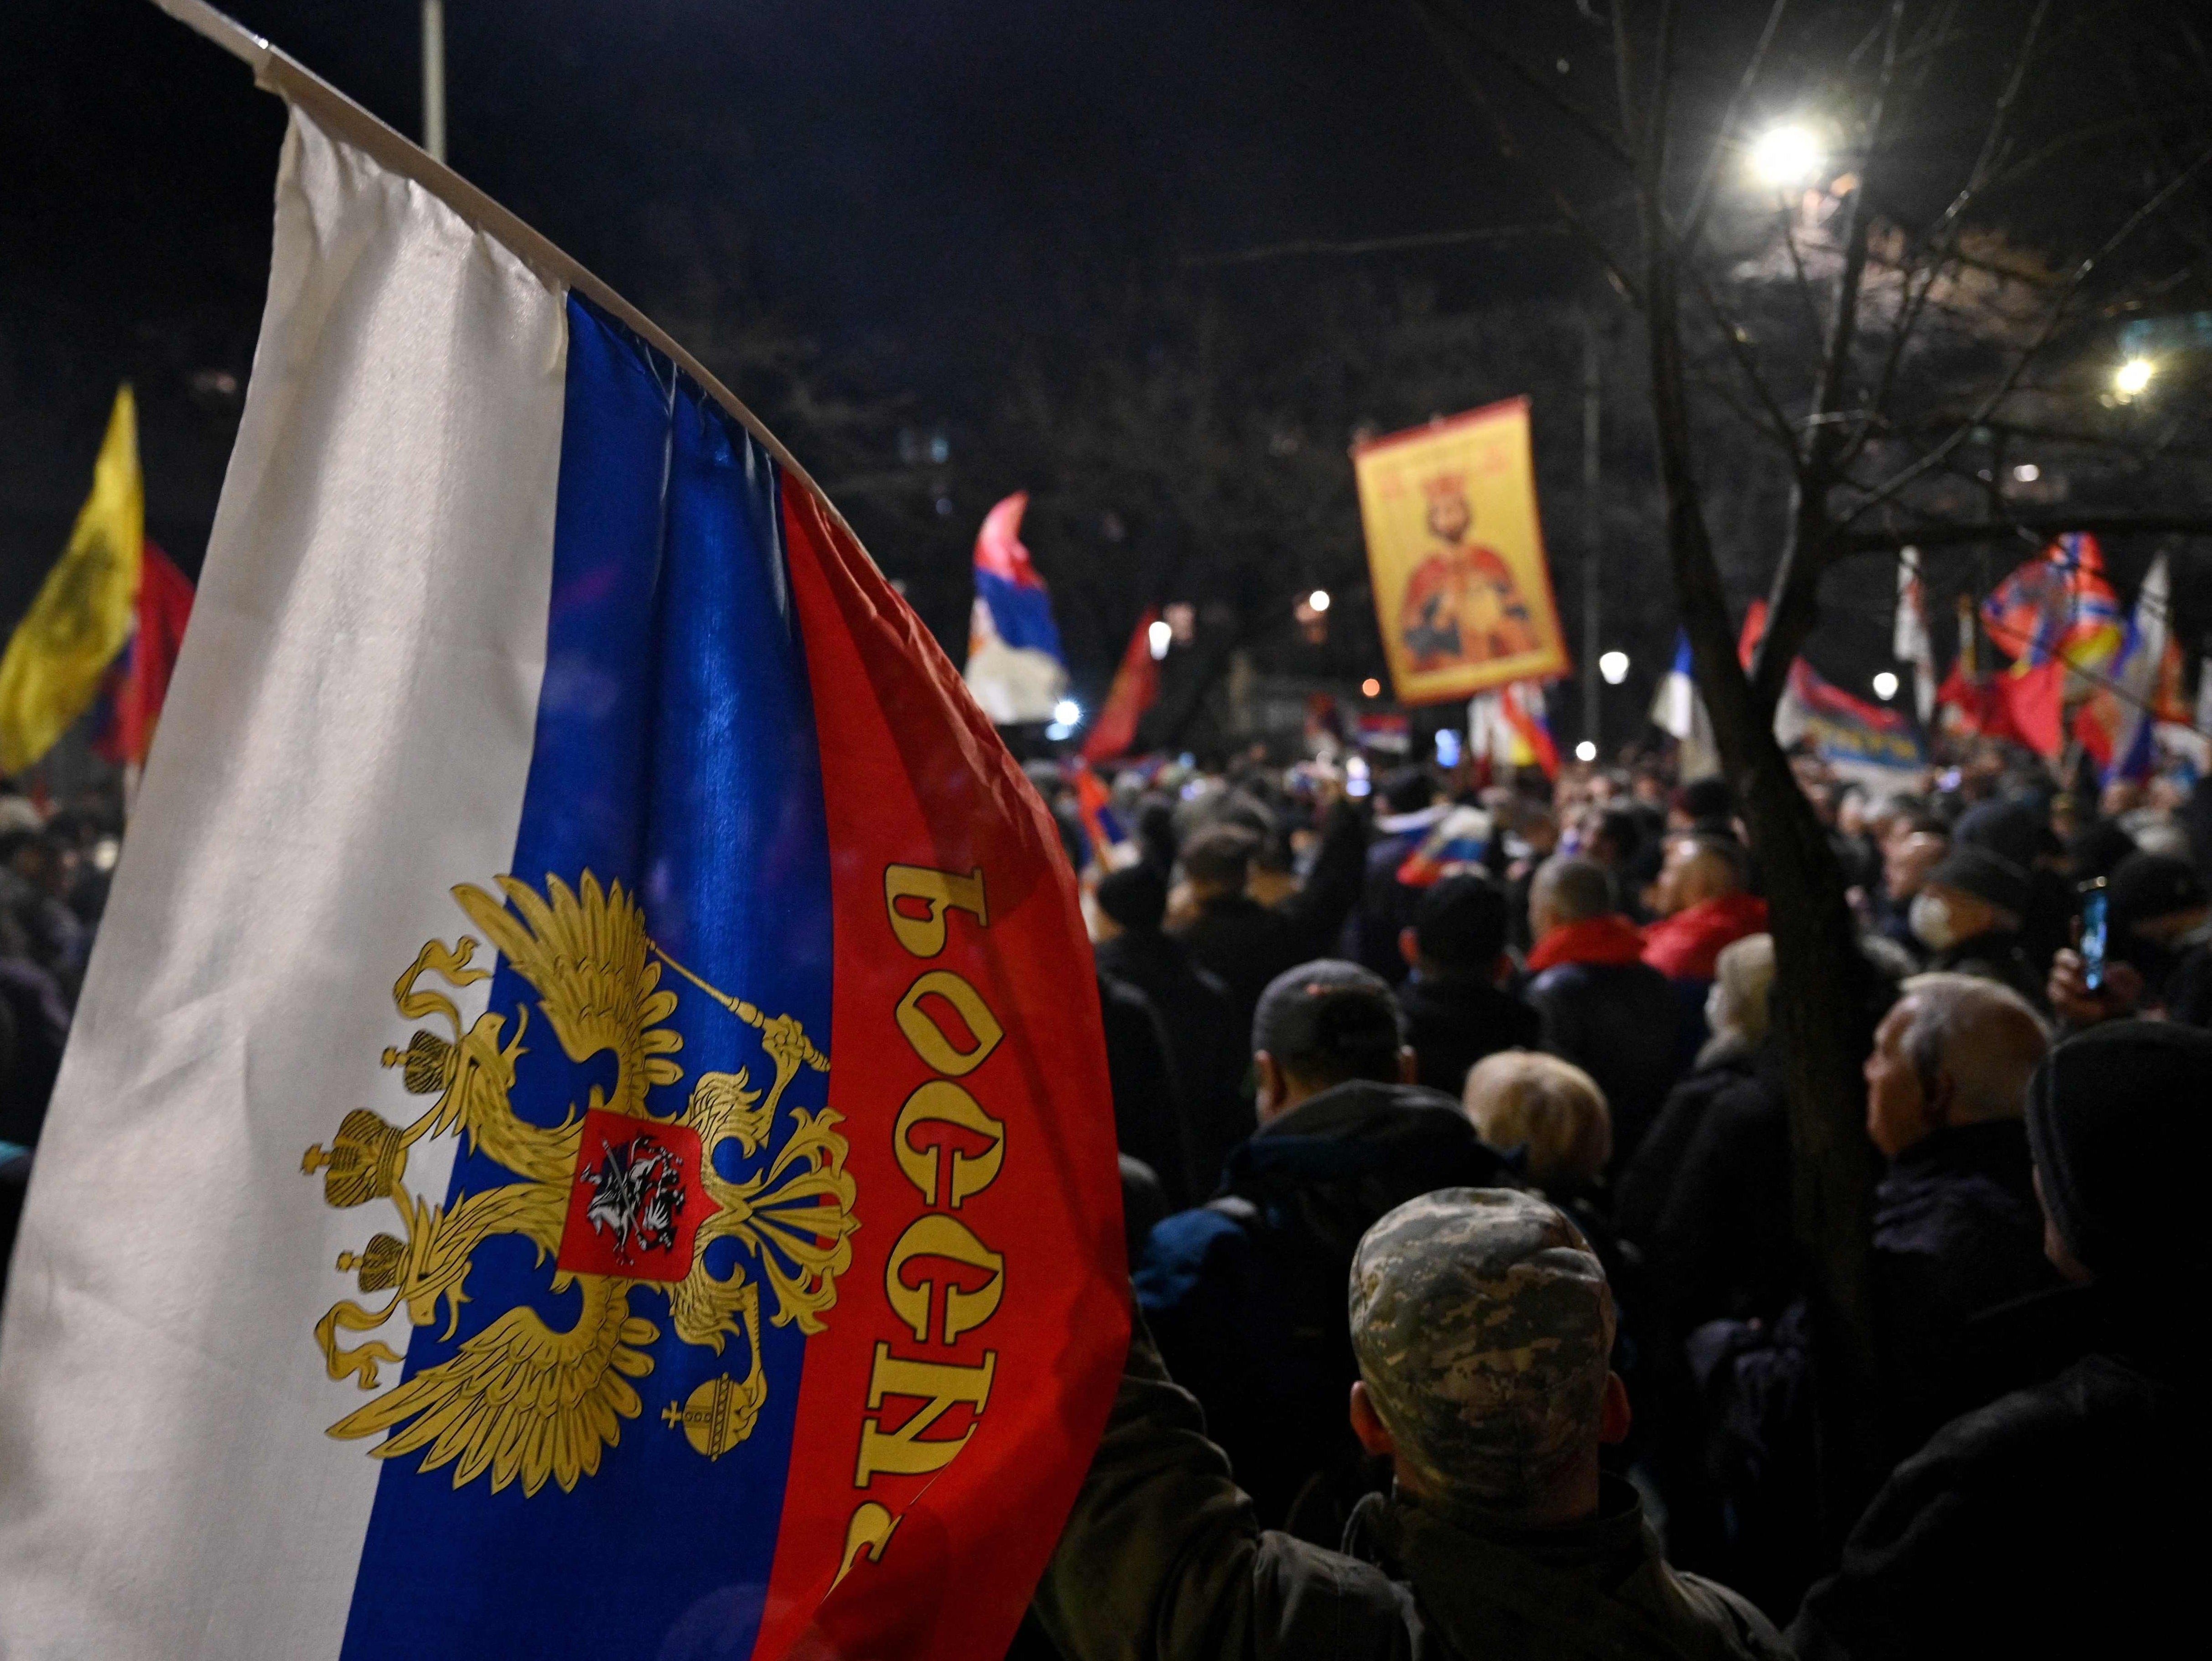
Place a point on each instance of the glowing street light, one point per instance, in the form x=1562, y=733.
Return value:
x=1787, y=155
x=2132, y=376
x=1613, y=665
x=1885, y=685
x=1066, y=711
x=1586, y=751
x=1159, y=636
x=1371, y=687
x=1317, y=601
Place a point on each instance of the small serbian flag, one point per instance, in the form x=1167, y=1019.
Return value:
x=1015, y=667
x=587, y=1133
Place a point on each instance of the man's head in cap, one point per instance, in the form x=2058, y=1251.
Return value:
x=1971, y=892
x=2117, y=1120
x=1484, y=1328
x=1323, y=1024
x=2155, y=900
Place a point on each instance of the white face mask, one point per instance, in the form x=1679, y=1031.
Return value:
x=1931, y=921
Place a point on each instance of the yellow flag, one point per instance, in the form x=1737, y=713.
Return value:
x=84, y=610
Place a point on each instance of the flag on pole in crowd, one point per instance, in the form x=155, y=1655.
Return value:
x=708, y=1236
x=1455, y=843
x=60, y=651
x=1862, y=743
x=1513, y=728
x=1677, y=708
x=139, y=682
x=2115, y=723
x=1462, y=594
x=2058, y=604
x=1015, y=667
x=1910, y=640
x=1111, y=845
x=1136, y=687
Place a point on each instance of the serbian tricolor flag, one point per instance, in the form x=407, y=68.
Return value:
x=1111, y=845
x=1015, y=666
x=587, y=1134
x=139, y=684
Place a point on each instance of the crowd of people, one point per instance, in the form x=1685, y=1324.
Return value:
x=55, y=864
x=1473, y=1316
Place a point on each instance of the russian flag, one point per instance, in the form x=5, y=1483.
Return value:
x=587, y=1134
x=1015, y=667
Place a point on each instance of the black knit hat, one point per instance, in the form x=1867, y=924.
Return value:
x=1986, y=875
x=2146, y=885
x=2117, y=1120
x=1136, y=897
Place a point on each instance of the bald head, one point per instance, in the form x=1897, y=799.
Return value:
x=1955, y=1050
x=1568, y=891
x=1702, y=867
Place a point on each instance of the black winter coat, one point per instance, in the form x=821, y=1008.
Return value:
x=2052, y=1522
x=1454, y=1023
x=1247, y=1295
x=1210, y=1054
x=1622, y=1025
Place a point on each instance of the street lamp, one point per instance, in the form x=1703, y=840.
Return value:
x=1613, y=665
x=1066, y=711
x=1885, y=685
x=1371, y=687
x=2132, y=376
x=1317, y=601
x=1586, y=751
x=1159, y=636
x=1788, y=155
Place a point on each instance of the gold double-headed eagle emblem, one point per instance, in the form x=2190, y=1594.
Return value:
x=626, y=1202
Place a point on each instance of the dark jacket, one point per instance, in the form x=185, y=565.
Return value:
x=1247, y=1294
x=1622, y=1025
x=1641, y=1194
x=1956, y=1230
x=34, y=1024
x=1454, y=1022
x=1247, y=944
x=1163, y=1560
x=1994, y=956
x=2052, y=1522
x=1386, y=906
x=1209, y=1052
x=1147, y=1117
x=1724, y=1246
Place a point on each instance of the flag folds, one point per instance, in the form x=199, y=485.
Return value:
x=61, y=650
x=587, y=1134
x=1015, y=666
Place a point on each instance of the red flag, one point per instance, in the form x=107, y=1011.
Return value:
x=1754, y=631
x=1136, y=688
x=2024, y=707
x=141, y=682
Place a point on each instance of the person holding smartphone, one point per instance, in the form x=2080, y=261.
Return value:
x=2156, y=950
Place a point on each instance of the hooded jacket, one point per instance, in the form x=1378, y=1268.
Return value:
x=1163, y=1560
x=1247, y=1293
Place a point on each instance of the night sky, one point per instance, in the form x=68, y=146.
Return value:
x=902, y=178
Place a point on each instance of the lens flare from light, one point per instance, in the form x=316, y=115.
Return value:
x=1787, y=155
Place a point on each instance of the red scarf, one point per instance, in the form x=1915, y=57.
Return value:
x=1611, y=941
x=1682, y=947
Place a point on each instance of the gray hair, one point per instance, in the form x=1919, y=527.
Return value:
x=1985, y=1037
x=1571, y=889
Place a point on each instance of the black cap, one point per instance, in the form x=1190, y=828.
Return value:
x=2012, y=830
x=2116, y=1119
x=1460, y=922
x=1136, y=898
x=1329, y=1018
x=1986, y=875
x=1408, y=790
x=2146, y=885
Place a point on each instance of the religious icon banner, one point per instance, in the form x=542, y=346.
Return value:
x=1462, y=594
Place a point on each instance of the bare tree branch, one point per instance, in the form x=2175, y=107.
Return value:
x=2028, y=353
x=1582, y=121
x=1509, y=146
x=1701, y=200
x=1783, y=429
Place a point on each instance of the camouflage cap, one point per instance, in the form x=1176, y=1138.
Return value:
x=1484, y=1327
